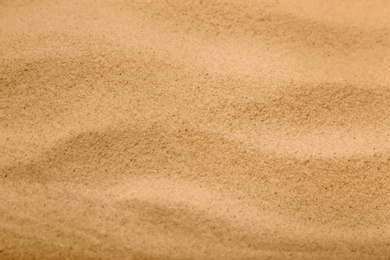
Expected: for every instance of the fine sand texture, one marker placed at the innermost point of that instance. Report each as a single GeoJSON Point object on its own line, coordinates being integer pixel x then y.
{"type": "Point", "coordinates": [204, 129]}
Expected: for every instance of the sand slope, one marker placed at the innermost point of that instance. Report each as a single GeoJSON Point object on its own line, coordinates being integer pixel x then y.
{"type": "Point", "coordinates": [194, 129]}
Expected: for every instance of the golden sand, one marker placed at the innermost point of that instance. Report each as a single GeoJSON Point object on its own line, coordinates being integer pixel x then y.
{"type": "Point", "coordinates": [194, 129]}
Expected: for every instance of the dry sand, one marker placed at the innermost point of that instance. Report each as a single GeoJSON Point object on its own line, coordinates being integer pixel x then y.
{"type": "Point", "coordinates": [194, 129]}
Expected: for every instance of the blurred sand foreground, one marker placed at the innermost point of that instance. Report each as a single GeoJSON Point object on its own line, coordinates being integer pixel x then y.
{"type": "Point", "coordinates": [194, 129]}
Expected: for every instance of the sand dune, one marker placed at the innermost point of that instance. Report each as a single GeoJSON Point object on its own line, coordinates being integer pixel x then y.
{"type": "Point", "coordinates": [194, 129]}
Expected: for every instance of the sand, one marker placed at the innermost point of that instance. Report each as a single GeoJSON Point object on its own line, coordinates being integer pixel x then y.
{"type": "Point", "coordinates": [200, 129]}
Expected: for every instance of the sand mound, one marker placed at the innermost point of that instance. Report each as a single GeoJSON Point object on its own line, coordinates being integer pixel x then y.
{"type": "Point", "coordinates": [202, 129]}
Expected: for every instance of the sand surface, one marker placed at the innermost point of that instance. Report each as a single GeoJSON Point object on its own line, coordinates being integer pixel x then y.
{"type": "Point", "coordinates": [208, 129]}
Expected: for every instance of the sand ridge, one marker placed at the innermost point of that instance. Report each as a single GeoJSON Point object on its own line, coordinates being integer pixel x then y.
{"type": "Point", "coordinates": [194, 129]}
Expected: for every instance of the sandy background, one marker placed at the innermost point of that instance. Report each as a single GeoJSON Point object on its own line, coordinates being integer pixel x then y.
{"type": "Point", "coordinates": [195, 129]}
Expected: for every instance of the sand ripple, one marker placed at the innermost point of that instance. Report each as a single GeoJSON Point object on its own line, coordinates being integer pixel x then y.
{"type": "Point", "coordinates": [194, 129]}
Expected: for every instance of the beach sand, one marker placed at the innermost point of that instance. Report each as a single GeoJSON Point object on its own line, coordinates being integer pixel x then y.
{"type": "Point", "coordinates": [200, 129]}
